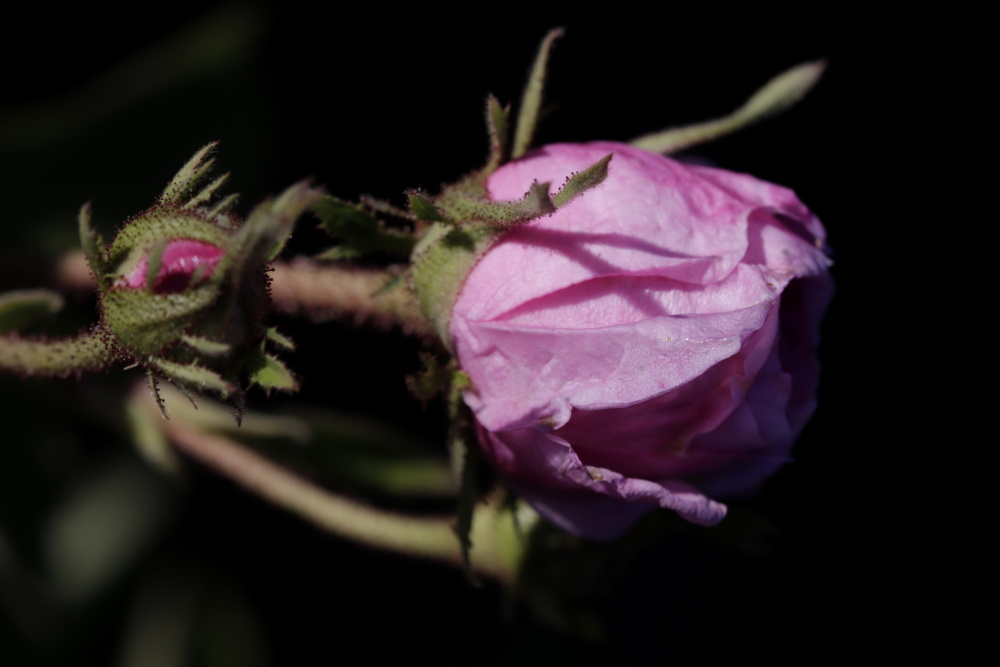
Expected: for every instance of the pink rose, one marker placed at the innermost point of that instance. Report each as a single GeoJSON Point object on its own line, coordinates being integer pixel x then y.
{"type": "Point", "coordinates": [652, 343]}
{"type": "Point", "coordinates": [181, 259]}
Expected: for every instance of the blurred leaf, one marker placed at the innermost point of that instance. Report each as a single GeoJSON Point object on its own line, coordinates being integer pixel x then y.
{"type": "Point", "coordinates": [101, 528]}
{"type": "Point", "coordinates": [22, 308]}
{"type": "Point", "coordinates": [148, 437]}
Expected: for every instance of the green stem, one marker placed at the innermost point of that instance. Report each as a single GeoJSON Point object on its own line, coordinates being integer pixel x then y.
{"type": "Point", "coordinates": [432, 538]}
{"type": "Point", "coordinates": [86, 352]}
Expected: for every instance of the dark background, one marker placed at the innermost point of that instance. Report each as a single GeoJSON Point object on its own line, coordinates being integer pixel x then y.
{"type": "Point", "coordinates": [382, 101]}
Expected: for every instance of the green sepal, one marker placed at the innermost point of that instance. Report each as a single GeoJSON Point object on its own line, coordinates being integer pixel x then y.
{"type": "Point", "coordinates": [445, 254]}
{"type": "Point", "coordinates": [423, 209]}
{"type": "Point", "coordinates": [775, 96]}
{"type": "Point", "coordinates": [581, 182]}
{"type": "Point", "coordinates": [266, 230]}
{"type": "Point", "coordinates": [21, 308]}
{"type": "Point", "coordinates": [531, 101]}
{"type": "Point", "coordinates": [441, 260]}
{"type": "Point", "coordinates": [535, 204]}
{"type": "Point", "coordinates": [93, 248]}
{"type": "Point", "coordinates": [206, 193]}
{"type": "Point", "coordinates": [268, 372]}
{"type": "Point", "coordinates": [216, 212]}
{"type": "Point", "coordinates": [279, 339]}
{"type": "Point", "coordinates": [361, 232]}
{"type": "Point", "coordinates": [185, 180]}
{"type": "Point", "coordinates": [498, 127]}
{"type": "Point", "coordinates": [205, 346]}
{"type": "Point", "coordinates": [193, 375]}
{"type": "Point", "coordinates": [148, 323]}
{"type": "Point", "coordinates": [154, 390]}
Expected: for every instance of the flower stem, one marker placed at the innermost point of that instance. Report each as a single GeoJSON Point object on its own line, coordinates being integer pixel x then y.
{"type": "Point", "coordinates": [86, 352]}
{"type": "Point", "coordinates": [432, 538]}
{"type": "Point", "coordinates": [321, 291]}
{"type": "Point", "coordinates": [326, 291]}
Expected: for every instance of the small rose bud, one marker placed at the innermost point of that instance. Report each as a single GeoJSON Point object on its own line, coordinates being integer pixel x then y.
{"type": "Point", "coordinates": [182, 260]}
{"type": "Point", "coordinates": [183, 285]}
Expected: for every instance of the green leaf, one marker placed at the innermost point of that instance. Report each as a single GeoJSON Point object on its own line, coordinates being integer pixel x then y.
{"type": "Point", "coordinates": [21, 308]}
{"type": "Point", "coordinates": [579, 183]}
{"type": "Point", "coordinates": [359, 231]}
{"type": "Point", "coordinates": [269, 373]}
{"type": "Point", "coordinates": [531, 101]}
{"type": "Point", "coordinates": [777, 95]}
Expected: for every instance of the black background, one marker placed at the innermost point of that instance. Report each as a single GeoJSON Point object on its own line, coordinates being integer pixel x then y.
{"type": "Point", "coordinates": [376, 101]}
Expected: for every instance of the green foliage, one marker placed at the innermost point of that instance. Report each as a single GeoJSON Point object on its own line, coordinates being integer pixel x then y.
{"type": "Point", "coordinates": [359, 232]}
{"type": "Point", "coordinates": [269, 373]}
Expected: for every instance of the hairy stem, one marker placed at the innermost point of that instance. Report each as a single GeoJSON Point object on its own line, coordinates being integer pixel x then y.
{"type": "Point", "coordinates": [320, 291]}
{"type": "Point", "coordinates": [86, 352]}
{"type": "Point", "coordinates": [325, 291]}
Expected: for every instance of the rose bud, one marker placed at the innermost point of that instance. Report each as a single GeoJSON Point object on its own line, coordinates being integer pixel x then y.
{"type": "Point", "coordinates": [651, 343]}
{"type": "Point", "coordinates": [183, 261]}
{"type": "Point", "coordinates": [184, 289]}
